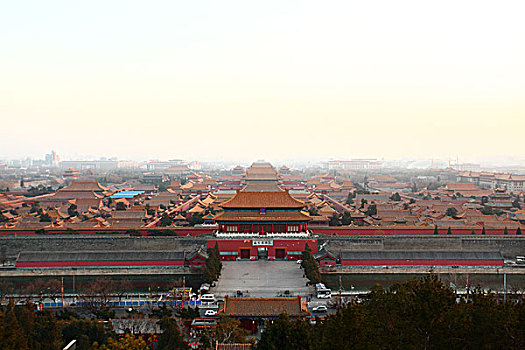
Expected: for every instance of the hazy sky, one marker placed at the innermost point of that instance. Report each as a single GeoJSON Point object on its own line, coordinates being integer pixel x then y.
{"type": "Point", "coordinates": [262, 79]}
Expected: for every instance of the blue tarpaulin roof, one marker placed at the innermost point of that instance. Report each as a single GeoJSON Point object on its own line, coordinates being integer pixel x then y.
{"type": "Point", "coordinates": [126, 194]}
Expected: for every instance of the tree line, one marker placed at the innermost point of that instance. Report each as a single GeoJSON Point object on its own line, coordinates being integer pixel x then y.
{"type": "Point", "coordinates": [21, 328]}
{"type": "Point", "coordinates": [213, 266]}
{"type": "Point", "coordinates": [310, 266]}
{"type": "Point", "coordinates": [416, 314]}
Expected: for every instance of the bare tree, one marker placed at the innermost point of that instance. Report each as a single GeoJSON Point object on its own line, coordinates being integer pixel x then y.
{"type": "Point", "coordinates": [97, 294]}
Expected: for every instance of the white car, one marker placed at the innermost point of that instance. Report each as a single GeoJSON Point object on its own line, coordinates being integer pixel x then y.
{"type": "Point", "coordinates": [210, 313]}
{"type": "Point", "coordinates": [208, 298]}
{"type": "Point", "coordinates": [320, 308]}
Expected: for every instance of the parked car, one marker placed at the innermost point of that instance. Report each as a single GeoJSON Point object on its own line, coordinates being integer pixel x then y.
{"type": "Point", "coordinates": [320, 308]}
{"type": "Point", "coordinates": [210, 313]}
{"type": "Point", "coordinates": [208, 298]}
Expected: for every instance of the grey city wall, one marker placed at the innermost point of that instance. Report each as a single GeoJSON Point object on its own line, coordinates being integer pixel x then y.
{"type": "Point", "coordinates": [508, 246]}
{"type": "Point", "coordinates": [12, 246]}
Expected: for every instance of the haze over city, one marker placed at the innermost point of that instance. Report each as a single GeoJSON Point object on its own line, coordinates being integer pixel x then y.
{"type": "Point", "coordinates": [274, 80]}
{"type": "Point", "coordinates": [262, 175]}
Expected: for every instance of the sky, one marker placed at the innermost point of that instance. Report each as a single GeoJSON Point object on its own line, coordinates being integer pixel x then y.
{"type": "Point", "coordinates": [262, 79]}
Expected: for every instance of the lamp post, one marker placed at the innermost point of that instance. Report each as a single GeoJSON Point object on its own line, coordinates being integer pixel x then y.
{"type": "Point", "coordinates": [455, 267]}
{"type": "Point", "coordinates": [504, 287]}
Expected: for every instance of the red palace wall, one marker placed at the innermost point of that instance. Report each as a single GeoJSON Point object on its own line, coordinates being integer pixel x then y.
{"type": "Point", "coordinates": [100, 263]}
{"type": "Point", "coordinates": [395, 231]}
{"type": "Point", "coordinates": [235, 246]}
{"type": "Point", "coordinates": [190, 231]}
{"type": "Point", "coordinates": [422, 262]}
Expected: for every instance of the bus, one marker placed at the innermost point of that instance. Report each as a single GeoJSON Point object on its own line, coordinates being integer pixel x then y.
{"type": "Point", "coordinates": [322, 292]}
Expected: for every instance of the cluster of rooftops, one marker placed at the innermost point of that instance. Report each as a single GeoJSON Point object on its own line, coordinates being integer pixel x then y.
{"type": "Point", "coordinates": [264, 196]}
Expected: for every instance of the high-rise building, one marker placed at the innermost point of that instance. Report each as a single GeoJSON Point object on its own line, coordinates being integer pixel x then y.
{"type": "Point", "coordinates": [52, 159]}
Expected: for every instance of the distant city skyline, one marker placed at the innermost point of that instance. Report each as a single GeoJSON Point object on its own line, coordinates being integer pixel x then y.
{"type": "Point", "coordinates": [242, 80]}
{"type": "Point", "coordinates": [456, 162]}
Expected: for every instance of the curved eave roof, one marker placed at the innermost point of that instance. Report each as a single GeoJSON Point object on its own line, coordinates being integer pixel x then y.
{"type": "Point", "coordinates": [275, 199]}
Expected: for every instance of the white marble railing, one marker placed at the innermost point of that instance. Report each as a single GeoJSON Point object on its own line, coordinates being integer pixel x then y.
{"type": "Point", "coordinates": [256, 234]}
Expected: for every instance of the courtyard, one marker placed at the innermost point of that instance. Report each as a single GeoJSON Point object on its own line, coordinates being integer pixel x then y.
{"type": "Point", "coordinates": [261, 278]}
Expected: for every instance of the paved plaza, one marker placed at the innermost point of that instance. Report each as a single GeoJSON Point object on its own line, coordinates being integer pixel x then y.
{"type": "Point", "coordinates": [261, 278]}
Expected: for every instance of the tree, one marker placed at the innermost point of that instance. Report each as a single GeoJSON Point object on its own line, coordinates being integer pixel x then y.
{"type": "Point", "coordinates": [313, 211]}
{"type": "Point", "coordinates": [350, 198]}
{"type": "Point", "coordinates": [395, 197]}
{"type": "Point", "coordinates": [487, 211]}
{"type": "Point", "coordinates": [452, 212]}
{"type": "Point", "coordinates": [334, 220]}
{"type": "Point", "coordinates": [449, 231]}
{"type": "Point", "coordinates": [72, 210]}
{"type": "Point", "coordinates": [86, 332]}
{"type": "Point", "coordinates": [3, 218]}
{"type": "Point", "coordinates": [436, 230]}
{"type": "Point", "coordinates": [166, 220]}
{"type": "Point", "coordinates": [196, 219]}
{"type": "Point", "coordinates": [22, 328]}
{"type": "Point", "coordinates": [46, 333]}
{"type": "Point", "coordinates": [45, 217]}
{"type": "Point", "coordinates": [352, 319]}
{"type": "Point", "coordinates": [346, 219]}
{"type": "Point", "coordinates": [149, 211]}
{"type": "Point", "coordinates": [310, 265]}
{"type": "Point", "coordinates": [213, 265]}
{"type": "Point", "coordinates": [230, 331]}
{"type": "Point", "coordinates": [170, 337]}
{"type": "Point", "coordinates": [483, 231]}
{"type": "Point", "coordinates": [505, 231]}
{"type": "Point", "coordinates": [120, 206]}
{"type": "Point", "coordinates": [415, 314]}
{"type": "Point", "coordinates": [371, 210]}
{"type": "Point", "coordinates": [284, 334]}
{"type": "Point", "coordinates": [417, 308]}
{"type": "Point", "coordinates": [97, 294]}
{"type": "Point", "coordinates": [129, 342]}
{"type": "Point", "coordinates": [518, 231]}
{"type": "Point", "coordinates": [34, 207]}
{"type": "Point", "coordinates": [12, 333]}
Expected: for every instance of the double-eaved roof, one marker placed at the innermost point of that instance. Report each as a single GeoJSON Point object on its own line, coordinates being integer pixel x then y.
{"type": "Point", "coordinates": [269, 216]}
{"type": "Point", "coordinates": [274, 199]}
